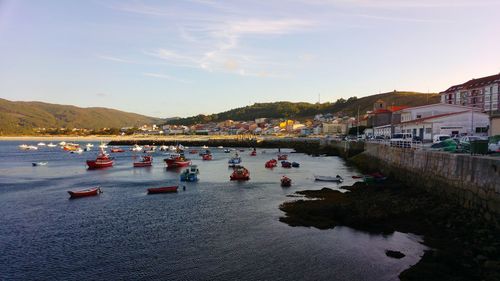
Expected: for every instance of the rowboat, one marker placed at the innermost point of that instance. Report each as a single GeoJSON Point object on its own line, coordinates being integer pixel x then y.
{"type": "Point", "coordinates": [87, 192]}
{"type": "Point", "coordinates": [286, 181]}
{"type": "Point", "coordinates": [116, 150]}
{"type": "Point", "coordinates": [39, 163]}
{"type": "Point", "coordinates": [295, 164]}
{"type": "Point", "coordinates": [165, 189]}
{"type": "Point", "coordinates": [206, 156]}
{"type": "Point", "coordinates": [51, 145]}
{"type": "Point", "coordinates": [282, 156]}
{"type": "Point", "coordinates": [41, 144]}
{"type": "Point", "coordinates": [337, 178]}
{"type": "Point", "coordinates": [253, 153]}
{"type": "Point", "coordinates": [271, 163]}
{"type": "Point", "coordinates": [286, 164]}
{"type": "Point", "coordinates": [146, 161]}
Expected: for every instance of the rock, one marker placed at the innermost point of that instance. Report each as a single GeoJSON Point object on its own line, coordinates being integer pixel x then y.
{"type": "Point", "coordinates": [394, 254]}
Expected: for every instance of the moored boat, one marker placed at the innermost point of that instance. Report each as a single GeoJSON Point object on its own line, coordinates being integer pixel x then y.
{"type": "Point", "coordinates": [286, 181]}
{"type": "Point", "coordinates": [41, 144]}
{"type": "Point", "coordinates": [235, 160]}
{"type": "Point", "coordinates": [253, 153]}
{"type": "Point", "coordinates": [165, 189]}
{"type": "Point", "coordinates": [177, 160]}
{"type": "Point", "coordinates": [240, 173]}
{"type": "Point", "coordinates": [204, 147]}
{"type": "Point", "coordinates": [51, 145]}
{"type": "Point", "coordinates": [286, 164]}
{"type": "Point", "coordinates": [227, 150]}
{"type": "Point", "coordinates": [136, 148]}
{"type": "Point", "coordinates": [271, 163]}
{"type": "Point", "coordinates": [295, 165]}
{"type": "Point", "coordinates": [190, 174]}
{"type": "Point", "coordinates": [84, 193]}
{"type": "Point", "coordinates": [146, 161]}
{"type": "Point", "coordinates": [207, 156]}
{"type": "Point", "coordinates": [116, 149]}
{"type": "Point", "coordinates": [337, 178]}
{"type": "Point", "coordinates": [102, 161]}
{"type": "Point", "coordinates": [39, 163]}
{"type": "Point", "coordinates": [282, 157]}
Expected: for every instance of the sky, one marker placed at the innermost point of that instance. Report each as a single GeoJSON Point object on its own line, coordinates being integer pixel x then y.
{"type": "Point", "coordinates": [182, 58]}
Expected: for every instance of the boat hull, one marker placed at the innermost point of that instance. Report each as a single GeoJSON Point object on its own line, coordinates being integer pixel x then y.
{"type": "Point", "coordinates": [177, 164]}
{"type": "Point", "coordinates": [165, 189]}
{"type": "Point", "coordinates": [142, 164]}
{"type": "Point", "coordinates": [93, 164]}
{"type": "Point", "coordinates": [84, 193]}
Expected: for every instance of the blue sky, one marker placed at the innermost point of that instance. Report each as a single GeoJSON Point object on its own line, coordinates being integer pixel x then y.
{"type": "Point", "coordinates": [181, 58]}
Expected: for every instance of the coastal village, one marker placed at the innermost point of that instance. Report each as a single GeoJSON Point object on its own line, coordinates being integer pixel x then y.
{"type": "Point", "coordinates": [467, 109]}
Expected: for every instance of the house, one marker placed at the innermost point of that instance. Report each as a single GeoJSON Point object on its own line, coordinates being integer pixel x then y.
{"type": "Point", "coordinates": [482, 93]}
{"type": "Point", "coordinates": [495, 124]}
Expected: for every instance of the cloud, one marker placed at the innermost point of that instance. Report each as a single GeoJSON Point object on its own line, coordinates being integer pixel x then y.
{"type": "Point", "coordinates": [165, 76]}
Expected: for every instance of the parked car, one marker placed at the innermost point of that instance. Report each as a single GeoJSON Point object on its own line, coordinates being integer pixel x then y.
{"type": "Point", "coordinates": [401, 140]}
{"type": "Point", "coordinates": [440, 138]}
{"type": "Point", "coordinates": [494, 144]}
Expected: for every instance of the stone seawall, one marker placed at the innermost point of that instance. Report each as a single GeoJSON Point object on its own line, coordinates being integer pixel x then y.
{"type": "Point", "coordinates": [472, 181]}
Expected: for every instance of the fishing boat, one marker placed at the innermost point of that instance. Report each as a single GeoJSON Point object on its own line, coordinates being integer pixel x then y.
{"type": "Point", "coordinates": [227, 151]}
{"type": "Point", "coordinates": [51, 145]}
{"type": "Point", "coordinates": [204, 147]}
{"type": "Point", "coordinates": [337, 178]}
{"type": "Point", "coordinates": [240, 173]}
{"type": "Point", "coordinates": [41, 144]}
{"type": "Point", "coordinates": [89, 145]}
{"type": "Point", "coordinates": [235, 160]}
{"type": "Point", "coordinates": [207, 156]}
{"type": "Point", "coordinates": [136, 148]}
{"type": "Point", "coordinates": [71, 147]}
{"type": "Point", "coordinates": [286, 181]}
{"type": "Point", "coordinates": [116, 150]}
{"type": "Point", "coordinates": [176, 161]}
{"type": "Point", "coordinates": [102, 161]}
{"type": "Point", "coordinates": [146, 161]}
{"type": "Point", "coordinates": [253, 153]}
{"type": "Point", "coordinates": [86, 192]}
{"type": "Point", "coordinates": [286, 164]}
{"type": "Point", "coordinates": [295, 164]}
{"type": "Point", "coordinates": [39, 163]}
{"type": "Point", "coordinates": [190, 174]}
{"type": "Point", "coordinates": [282, 157]}
{"type": "Point", "coordinates": [271, 163]}
{"type": "Point", "coordinates": [165, 189]}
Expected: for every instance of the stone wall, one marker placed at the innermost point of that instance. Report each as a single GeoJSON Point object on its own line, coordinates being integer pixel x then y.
{"type": "Point", "coordinates": [473, 181]}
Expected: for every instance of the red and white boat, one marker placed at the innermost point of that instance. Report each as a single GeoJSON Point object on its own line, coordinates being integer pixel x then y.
{"type": "Point", "coordinates": [206, 156]}
{"type": "Point", "coordinates": [102, 161]}
{"type": "Point", "coordinates": [271, 163]}
{"type": "Point", "coordinates": [165, 189]}
{"type": "Point", "coordinates": [253, 153]}
{"type": "Point", "coordinates": [176, 161]}
{"type": "Point", "coordinates": [146, 161]}
{"type": "Point", "coordinates": [117, 150]}
{"type": "Point", "coordinates": [282, 157]}
{"type": "Point", "coordinates": [87, 192]}
{"type": "Point", "coordinates": [286, 181]}
{"type": "Point", "coordinates": [240, 173]}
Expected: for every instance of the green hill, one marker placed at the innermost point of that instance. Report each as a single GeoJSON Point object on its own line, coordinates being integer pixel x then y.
{"type": "Point", "coordinates": [18, 117]}
{"type": "Point", "coordinates": [302, 110]}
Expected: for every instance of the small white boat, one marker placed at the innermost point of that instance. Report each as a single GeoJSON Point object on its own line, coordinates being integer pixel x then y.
{"type": "Point", "coordinates": [23, 146]}
{"type": "Point", "coordinates": [63, 143]}
{"type": "Point", "coordinates": [41, 144]}
{"type": "Point", "coordinates": [163, 148]}
{"type": "Point", "coordinates": [172, 148]}
{"type": "Point", "coordinates": [338, 179]}
{"type": "Point", "coordinates": [204, 147]}
{"type": "Point", "coordinates": [180, 147]}
{"type": "Point", "coordinates": [89, 145]}
{"type": "Point", "coordinates": [103, 145]}
{"type": "Point", "coordinates": [136, 148]}
{"type": "Point", "coordinates": [220, 147]}
{"type": "Point", "coordinates": [77, 151]}
{"type": "Point", "coordinates": [39, 163]}
{"type": "Point", "coordinates": [51, 145]}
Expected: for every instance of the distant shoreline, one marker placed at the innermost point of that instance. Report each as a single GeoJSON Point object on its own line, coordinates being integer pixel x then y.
{"type": "Point", "coordinates": [121, 138]}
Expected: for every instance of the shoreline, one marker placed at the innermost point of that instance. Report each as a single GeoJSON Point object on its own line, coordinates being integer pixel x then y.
{"type": "Point", "coordinates": [463, 246]}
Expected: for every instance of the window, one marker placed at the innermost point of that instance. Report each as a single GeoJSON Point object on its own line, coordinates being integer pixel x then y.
{"type": "Point", "coordinates": [419, 116]}
{"type": "Point", "coordinates": [481, 129]}
{"type": "Point", "coordinates": [428, 130]}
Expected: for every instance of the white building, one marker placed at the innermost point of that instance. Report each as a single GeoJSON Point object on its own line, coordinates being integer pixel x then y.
{"type": "Point", "coordinates": [454, 123]}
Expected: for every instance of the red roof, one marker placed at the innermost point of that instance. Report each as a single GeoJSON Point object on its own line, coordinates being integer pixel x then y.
{"type": "Point", "coordinates": [379, 111]}
{"type": "Point", "coordinates": [396, 107]}
{"type": "Point", "coordinates": [474, 83]}
{"type": "Point", "coordinates": [434, 116]}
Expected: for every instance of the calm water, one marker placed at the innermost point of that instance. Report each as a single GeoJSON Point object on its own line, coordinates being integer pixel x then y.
{"type": "Point", "coordinates": [214, 230]}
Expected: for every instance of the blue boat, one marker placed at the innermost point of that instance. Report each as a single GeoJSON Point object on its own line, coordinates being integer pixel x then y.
{"type": "Point", "coordinates": [235, 160]}
{"type": "Point", "coordinates": [295, 164]}
{"type": "Point", "coordinates": [190, 174]}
